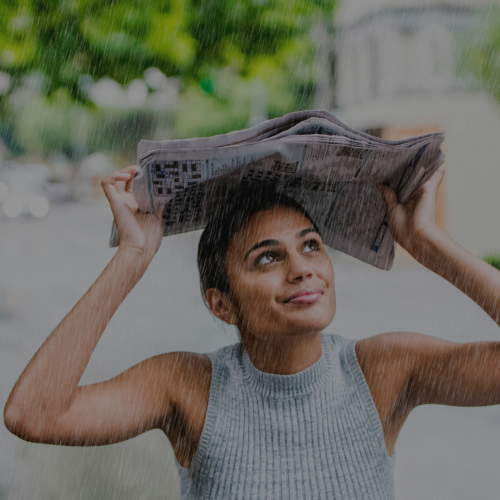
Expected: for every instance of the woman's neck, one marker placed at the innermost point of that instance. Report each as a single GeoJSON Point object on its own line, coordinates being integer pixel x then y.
{"type": "Point", "coordinates": [283, 356]}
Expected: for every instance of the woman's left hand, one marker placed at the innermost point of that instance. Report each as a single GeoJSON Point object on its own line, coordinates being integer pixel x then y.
{"type": "Point", "coordinates": [413, 223]}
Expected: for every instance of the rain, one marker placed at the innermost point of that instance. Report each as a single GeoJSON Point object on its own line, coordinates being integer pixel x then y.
{"type": "Point", "coordinates": [82, 82]}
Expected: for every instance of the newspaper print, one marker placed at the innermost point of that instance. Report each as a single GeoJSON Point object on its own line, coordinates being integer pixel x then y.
{"type": "Point", "coordinates": [312, 157]}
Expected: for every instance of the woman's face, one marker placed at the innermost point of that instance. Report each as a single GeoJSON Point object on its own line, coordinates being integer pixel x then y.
{"type": "Point", "coordinates": [281, 278]}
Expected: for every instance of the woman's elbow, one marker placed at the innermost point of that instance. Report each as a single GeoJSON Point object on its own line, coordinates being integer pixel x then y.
{"type": "Point", "coordinates": [16, 422]}
{"type": "Point", "coordinates": [12, 418]}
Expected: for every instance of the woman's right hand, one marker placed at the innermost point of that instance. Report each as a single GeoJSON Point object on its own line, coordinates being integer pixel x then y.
{"type": "Point", "coordinates": [138, 232]}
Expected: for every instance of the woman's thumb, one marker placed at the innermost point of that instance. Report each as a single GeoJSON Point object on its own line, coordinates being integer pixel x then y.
{"type": "Point", "coordinates": [390, 197]}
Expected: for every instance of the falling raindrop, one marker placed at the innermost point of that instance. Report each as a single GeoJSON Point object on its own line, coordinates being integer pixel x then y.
{"type": "Point", "coordinates": [82, 83]}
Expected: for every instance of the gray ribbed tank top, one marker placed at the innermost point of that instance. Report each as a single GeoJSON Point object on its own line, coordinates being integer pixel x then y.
{"type": "Point", "coordinates": [315, 434]}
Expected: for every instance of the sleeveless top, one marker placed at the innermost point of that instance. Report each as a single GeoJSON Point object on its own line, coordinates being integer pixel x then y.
{"type": "Point", "coordinates": [315, 434]}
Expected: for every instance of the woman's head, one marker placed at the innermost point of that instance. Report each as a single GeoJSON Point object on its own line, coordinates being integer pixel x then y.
{"type": "Point", "coordinates": [263, 266]}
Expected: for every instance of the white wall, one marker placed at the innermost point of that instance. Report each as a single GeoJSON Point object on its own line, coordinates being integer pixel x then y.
{"type": "Point", "coordinates": [351, 11]}
{"type": "Point", "coordinates": [396, 53]}
{"type": "Point", "coordinates": [471, 122]}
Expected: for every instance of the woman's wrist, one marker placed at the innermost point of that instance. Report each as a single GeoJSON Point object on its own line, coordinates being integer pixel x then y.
{"type": "Point", "coordinates": [132, 261]}
{"type": "Point", "coordinates": [441, 254]}
{"type": "Point", "coordinates": [424, 245]}
{"type": "Point", "coordinates": [431, 248]}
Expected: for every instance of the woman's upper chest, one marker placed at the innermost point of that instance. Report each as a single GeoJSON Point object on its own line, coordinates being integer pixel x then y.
{"type": "Point", "coordinates": [276, 441]}
{"type": "Point", "coordinates": [244, 417]}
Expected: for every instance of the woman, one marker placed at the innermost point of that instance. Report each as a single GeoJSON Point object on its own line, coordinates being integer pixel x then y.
{"type": "Point", "coordinates": [289, 412]}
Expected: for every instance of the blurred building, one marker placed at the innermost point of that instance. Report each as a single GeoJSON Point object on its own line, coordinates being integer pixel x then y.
{"type": "Point", "coordinates": [397, 76]}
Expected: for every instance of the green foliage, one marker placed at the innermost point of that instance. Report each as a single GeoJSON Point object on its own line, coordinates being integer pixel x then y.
{"type": "Point", "coordinates": [225, 107]}
{"type": "Point", "coordinates": [197, 40]}
{"type": "Point", "coordinates": [120, 39]}
{"type": "Point", "coordinates": [481, 55]}
{"type": "Point", "coordinates": [58, 123]}
{"type": "Point", "coordinates": [57, 131]}
{"type": "Point", "coordinates": [493, 260]}
{"type": "Point", "coordinates": [118, 131]}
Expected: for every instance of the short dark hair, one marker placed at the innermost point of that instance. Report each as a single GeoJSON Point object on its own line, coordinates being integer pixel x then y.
{"type": "Point", "coordinates": [234, 208]}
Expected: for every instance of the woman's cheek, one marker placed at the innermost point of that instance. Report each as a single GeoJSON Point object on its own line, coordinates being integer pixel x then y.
{"type": "Point", "coordinates": [264, 294]}
{"type": "Point", "coordinates": [260, 301]}
{"type": "Point", "coordinates": [253, 295]}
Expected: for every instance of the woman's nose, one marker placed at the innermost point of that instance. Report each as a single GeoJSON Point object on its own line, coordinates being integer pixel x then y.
{"type": "Point", "coordinates": [298, 268]}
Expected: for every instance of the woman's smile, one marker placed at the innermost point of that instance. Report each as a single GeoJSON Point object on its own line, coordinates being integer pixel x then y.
{"type": "Point", "coordinates": [305, 296]}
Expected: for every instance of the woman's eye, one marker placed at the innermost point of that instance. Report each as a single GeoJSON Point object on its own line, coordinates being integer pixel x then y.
{"type": "Point", "coordinates": [266, 258]}
{"type": "Point", "coordinates": [311, 246]}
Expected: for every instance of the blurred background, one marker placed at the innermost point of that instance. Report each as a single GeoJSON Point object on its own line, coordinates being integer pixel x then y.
{"type": "Point", "coordinates": [81, 82]}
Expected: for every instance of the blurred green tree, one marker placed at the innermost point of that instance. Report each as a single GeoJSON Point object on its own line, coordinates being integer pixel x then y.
{"type": "Point", "coordinates": [219, 49]}
{"type": "Point", "coordinates": [480, 55]}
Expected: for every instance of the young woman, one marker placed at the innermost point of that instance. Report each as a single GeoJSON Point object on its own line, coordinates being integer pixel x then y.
{"type": "Point", "coordinates": [288, 412]}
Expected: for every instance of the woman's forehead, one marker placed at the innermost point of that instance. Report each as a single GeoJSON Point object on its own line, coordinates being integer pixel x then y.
{"type": "Point", "coordinates": [275, 223]}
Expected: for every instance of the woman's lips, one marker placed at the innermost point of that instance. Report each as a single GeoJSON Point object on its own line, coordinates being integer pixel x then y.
{"type": "Point", "coordinates": [306, 296]}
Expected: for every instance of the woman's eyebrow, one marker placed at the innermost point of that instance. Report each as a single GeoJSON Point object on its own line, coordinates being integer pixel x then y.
{"type": "Point", "coordinates": [264, 243]}
{"type": "Point", "coordinates": [307, 231]}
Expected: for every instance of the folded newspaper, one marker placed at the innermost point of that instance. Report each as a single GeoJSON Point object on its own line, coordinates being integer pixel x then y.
{"type": "Point", "coordinates": [311, 156]}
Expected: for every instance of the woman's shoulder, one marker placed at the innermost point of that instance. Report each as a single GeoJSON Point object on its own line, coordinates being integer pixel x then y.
{"type": "Point", "coordinates": [183, 372]}
{"type": "Point", "coordinates": [192, 370]}
{"type": "Point", "coordinates": [226, 364]}
{"type": "Point", "coordinates": [192, 363]}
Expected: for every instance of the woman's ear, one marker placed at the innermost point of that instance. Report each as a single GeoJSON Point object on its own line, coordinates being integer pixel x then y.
{"type": "Point", "coordinates": [221, 306]}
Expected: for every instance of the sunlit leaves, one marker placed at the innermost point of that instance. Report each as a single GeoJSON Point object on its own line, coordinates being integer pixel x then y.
{"type": "Point", "coordinates": [17, 43]}
{"type": "Point", "coordinates": [481, 56]}
{"type": "Point", "coordinates": [226, 109]}
{"type": "Point", "coordinates": [168, 39]}
{"type": "Point", "coordinates": [121, 38]}
{"type": "Point", "coordinates": [117, 30]}
{"type": "Point", "coordinates": [61, 128]}
{"type": "Point", "coordinates": [230, 44]}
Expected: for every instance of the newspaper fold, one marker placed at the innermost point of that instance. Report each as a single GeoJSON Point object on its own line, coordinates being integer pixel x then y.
{"type": "Point", "coordinates": [311, 156]}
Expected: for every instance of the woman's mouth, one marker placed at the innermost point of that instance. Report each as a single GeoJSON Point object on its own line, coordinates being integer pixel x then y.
{"type": "Point", "coordinates": [306, 296]}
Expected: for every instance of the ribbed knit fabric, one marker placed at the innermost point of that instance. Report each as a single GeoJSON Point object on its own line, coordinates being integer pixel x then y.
{"type": "Point", "coordinates": [315, 434]}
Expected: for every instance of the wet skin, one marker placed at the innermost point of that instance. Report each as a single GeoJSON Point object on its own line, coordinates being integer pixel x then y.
{"type": "Point", "coordinates": [282, 292]}
{"type": "Point", "coordinates": [282, 297]}
{"type": "Point", "coordinates": [290, 259]}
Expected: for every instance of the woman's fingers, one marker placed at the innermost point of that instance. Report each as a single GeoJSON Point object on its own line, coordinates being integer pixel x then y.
{"type": "Point", "coordinates": [431, 186]}
{"type": "Point", "coordinates": [115, 177]}
{"type": "Point", "coordinates": [435, 181]}
{"type": "Point", "coordinates": [128, 184]}
{"type": "Point", "coordinates": [131, 169]}
{"type": "Point", "coordinates": [123, 174]}
{"type": "Point", "coordinates": [419, 214]}
{"type": "Point", "coordinates": [118, 182]}
{"type": "Point", "coordinates": [430, 189]}
{"type": "Point", "coordinates": [109, 188]}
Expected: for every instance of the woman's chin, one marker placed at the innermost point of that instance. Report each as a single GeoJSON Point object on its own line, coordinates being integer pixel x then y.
{"type": "Point", "coordinates": [304, 327]}
{"type": "Point", "coordinates": [314, 319]}
{"type": "Point", "coordinates": [299, 322]}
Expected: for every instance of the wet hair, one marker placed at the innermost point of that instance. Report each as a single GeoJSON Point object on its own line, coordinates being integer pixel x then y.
{"type": "Point", "coordinates": [231, 213]}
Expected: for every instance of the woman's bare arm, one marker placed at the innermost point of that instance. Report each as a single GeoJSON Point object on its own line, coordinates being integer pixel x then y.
{"type": "Point", "coordinates": [46, 404]}
{"type": "Point", "coordinates": [439, 371]}
{"type": "Point", "coordinates": [414, 227]}
{"type": "Point", "coordinates": [47, 393]}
